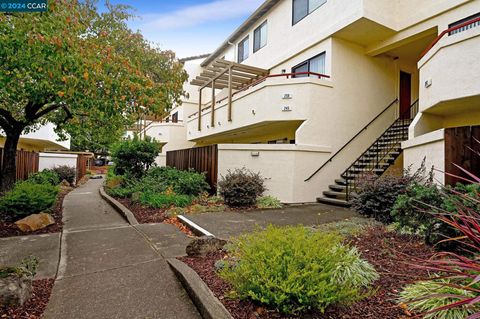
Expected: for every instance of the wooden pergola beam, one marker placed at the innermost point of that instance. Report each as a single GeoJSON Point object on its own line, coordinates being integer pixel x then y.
{"type": "Point", "coordinates": [212, 71]}
{"type": "Point", "coordinates": [224, 78]}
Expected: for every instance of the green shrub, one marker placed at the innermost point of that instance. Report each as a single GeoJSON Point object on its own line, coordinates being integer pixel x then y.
{"type": "Point", "coordinates": [442, 295]}
{"type": "Point", "coordinates": [378, 195]}
{"type": "Point", "coordinates": [46, 176]}
{"type": "Point", "coordinates": [66, 173]}
{"type": "Point", "coordinates": [182, 182]}
{"type": "Point", "coordinates": [266, 202]}
{"type": "Point", "coordinates": [164, 200]}
{"type": "Point", "coordinates": [134, 157]}
{"type": "Point", "coordinates": [293, 269]}
{"type": "Point", "coordinates": [412, 212]}
{"type": "Point", "coordinates": [27, 198]}
{"type": "Point", "coordinates": [241, 187]}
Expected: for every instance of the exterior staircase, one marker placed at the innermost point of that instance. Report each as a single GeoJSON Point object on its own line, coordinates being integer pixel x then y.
{"type": "Point", "coordinates": [375, 160]}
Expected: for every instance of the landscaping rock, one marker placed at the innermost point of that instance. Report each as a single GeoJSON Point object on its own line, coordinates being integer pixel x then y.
{"type": "Point", "coordinates": [204, 245]}
{"type": "Point", "coordinates": [35, 222]}
{"type": "Point", "coordinates": [15, 290]}
{"type": "Point", "coordinates": [65, 183]}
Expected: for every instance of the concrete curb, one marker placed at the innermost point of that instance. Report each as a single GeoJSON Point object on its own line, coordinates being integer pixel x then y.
{"type": "Point", "coordinates": [124, 211]}
{"type": "Point", "coordinates": [203, 298]}
{"type": "Point", "coordinates": [196, 229]}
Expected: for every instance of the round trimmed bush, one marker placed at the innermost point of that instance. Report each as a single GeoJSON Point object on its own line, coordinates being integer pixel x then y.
{"type": "Point", "coordinates": [241, 187]}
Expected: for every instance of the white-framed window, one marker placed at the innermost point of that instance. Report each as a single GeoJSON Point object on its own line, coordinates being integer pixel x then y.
{"type": "Point", "coordinates": [314, 65]}
{"type": "Point", "coordinates": [243, 49]}
{"type": "Point", "coordinates": [260, 37]}
{"type": "Point", "coordinates": [302, 8]}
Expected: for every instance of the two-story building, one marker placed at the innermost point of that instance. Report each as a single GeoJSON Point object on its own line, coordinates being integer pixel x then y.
{"type": "Point", "coordinates": [315, 93]}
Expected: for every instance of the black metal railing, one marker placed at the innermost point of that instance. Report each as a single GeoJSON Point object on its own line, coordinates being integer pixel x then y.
{"type": "Point", "coordinates": [352, 139]}
{"type": "Point", "coordinates": [381, 154]}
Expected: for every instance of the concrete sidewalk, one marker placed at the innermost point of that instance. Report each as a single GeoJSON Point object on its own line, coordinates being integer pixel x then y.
{"type": "Point", "coordinates": [109, 269]}
{"type": "Point", "coordinates": [227, 224]}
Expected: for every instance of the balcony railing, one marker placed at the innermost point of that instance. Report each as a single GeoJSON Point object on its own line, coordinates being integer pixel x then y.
{"type": "Point", "coordinates": [453, 30]}
{"type": "Point", "coordinates": [261, 80]}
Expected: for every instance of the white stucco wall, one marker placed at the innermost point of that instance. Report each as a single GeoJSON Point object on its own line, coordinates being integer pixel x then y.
{"type": "Point", "coordinates": [51, 160]}
{"type": "Point", "coordinates": [431, 147]}
{"type": "Point", "coordinates": [284, 167]}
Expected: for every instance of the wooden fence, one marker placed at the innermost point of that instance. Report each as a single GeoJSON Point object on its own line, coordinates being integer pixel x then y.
{"type": "Point", "coordinates": [27, 163]}
{"type": "Point", "coordinates": [201, 159]}
{"type": "Point", "coordinates": [83, 163]}
{"type": "Point", "coordinates": [461, 148]}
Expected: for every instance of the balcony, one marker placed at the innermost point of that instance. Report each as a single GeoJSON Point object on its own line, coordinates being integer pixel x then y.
{"type": "Point", "coordinates": [165, 132]}
{"type": "Point", "coordinates": [450, 72]}
{"type": "Point", "coordinates": [272, 103]}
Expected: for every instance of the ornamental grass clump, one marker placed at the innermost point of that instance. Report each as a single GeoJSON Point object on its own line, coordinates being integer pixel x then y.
{"type": "Point", "coordinates": [295, 269]}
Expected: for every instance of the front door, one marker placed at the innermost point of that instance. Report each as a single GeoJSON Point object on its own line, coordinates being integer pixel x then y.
{"type": "Point", "coordinates": [405, 94]}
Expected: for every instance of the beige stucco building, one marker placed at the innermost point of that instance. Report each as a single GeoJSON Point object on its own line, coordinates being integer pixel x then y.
{"type": "Point", "coordinates": [314, 93]}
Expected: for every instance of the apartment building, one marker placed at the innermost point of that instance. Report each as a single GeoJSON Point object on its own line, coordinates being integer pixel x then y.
{"type": "Point", "coordinates": [315, 93]}
{"type": "Point", "coordinates": [41, 140]}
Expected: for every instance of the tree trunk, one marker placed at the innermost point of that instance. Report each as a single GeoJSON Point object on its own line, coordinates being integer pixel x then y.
{"type": "Point", "coordinates": [9, 167]}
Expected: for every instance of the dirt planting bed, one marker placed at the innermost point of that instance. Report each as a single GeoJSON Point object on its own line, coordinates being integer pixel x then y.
{"type": "Point", "coordinates": [387, 252]}
{"type": "Point", "coordinates": [33, 308]}
{"type": "Point", "coordinates": [9, 229]}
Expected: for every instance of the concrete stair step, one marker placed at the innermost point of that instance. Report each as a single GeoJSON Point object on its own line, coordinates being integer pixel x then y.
{"type": "Point", "coordinates": [333, 201]}
{"type": "Point", "coordinates": [341, 181]}
{"type": "Point", "coordinates": [338, 188]}
{"type": "Point", "coordinates": [337, 195]}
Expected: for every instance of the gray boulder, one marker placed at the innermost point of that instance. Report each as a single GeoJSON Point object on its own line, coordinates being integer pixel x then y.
{"type": "Point", "coordinates": [15, 290]}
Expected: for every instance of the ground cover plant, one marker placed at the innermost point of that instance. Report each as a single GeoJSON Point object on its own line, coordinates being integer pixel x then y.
{"type": "Point", "coordinates": [294, 269]}
{"type": "Point", "coordinates": [382, 249]}
{"type": "Point", "coordinates": [453, 291]}
{"type": "Point", "coordinates": [39, 193]}
{"type": "Point", "coordinates": [27, 198]}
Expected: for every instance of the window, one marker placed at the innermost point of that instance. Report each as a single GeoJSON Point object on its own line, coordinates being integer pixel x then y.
{"type": "Point", "coordinates": [315, 65]}
{"type": "Point", "coordinates": [175, 117]}
{"type": "Point", "coordinates": [243, 50]}
{"type": "Point", "coordinates": [467, 27]}
{"type": "Point", "coordinates": [302, 8]}
{"type": "Point", "coordinates": [260, 37]}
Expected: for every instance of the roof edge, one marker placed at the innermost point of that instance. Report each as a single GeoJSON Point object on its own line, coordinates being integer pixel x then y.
{"type": "Point", "coordinates": [251, 20]}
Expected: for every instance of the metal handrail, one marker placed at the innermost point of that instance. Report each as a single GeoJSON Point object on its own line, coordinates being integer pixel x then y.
{"type": "Point", "coordinates": [352, 139]}
{"type": "Point", "coordinates": [404, 117]}
{"type": "Point", "coordinates": [449, 30]}
{"type": "Point", "coordinates": [262, 79]}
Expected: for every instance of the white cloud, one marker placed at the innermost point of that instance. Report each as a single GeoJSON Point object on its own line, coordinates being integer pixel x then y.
{"type": "Point", "coordinates": [199, 14]}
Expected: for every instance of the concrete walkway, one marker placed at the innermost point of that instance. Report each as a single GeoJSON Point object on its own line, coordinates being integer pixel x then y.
{"type": "Point", "coordinates": [109, 269]}
{"type": "Point", "coordinates": [227, 224]}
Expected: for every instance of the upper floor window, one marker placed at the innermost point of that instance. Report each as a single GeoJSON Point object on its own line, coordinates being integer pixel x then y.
{"type": "Point", "coordinates": [175, 117]}
{"type": "Point", "coordinates": [463, 21]}
{"type": "Point", "coordinates": [302, 8]}
{"type": "Point", "coordinates": [260, 37]}
{"type": "Point", "coordinates": [243, 50]}
{"type": "Point", "coordinates": [314, 65]}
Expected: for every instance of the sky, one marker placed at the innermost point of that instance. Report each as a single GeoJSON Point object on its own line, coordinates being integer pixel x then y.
{"type": "Point", "coordinates": [189, 27]}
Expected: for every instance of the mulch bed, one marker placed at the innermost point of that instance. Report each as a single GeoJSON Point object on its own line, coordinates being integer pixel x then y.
{"type": "Point", "coordinates": [9, 229]}
{"type": "Point", "coordinates": [387, 252]}
{"type": "Point", "coordinates": [33, 308]}
{"type": "Point", "coordinates": [143, 214]}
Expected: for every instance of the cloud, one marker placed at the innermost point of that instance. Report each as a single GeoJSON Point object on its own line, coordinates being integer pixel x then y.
{"type": "Point", "coordinates": [199, 14]}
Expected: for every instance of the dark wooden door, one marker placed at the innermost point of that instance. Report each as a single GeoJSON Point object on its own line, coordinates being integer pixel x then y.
{"type": "Point", "coordinates": [462, 148]}
{"type": "Point", "coordinates": [405, 94]}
